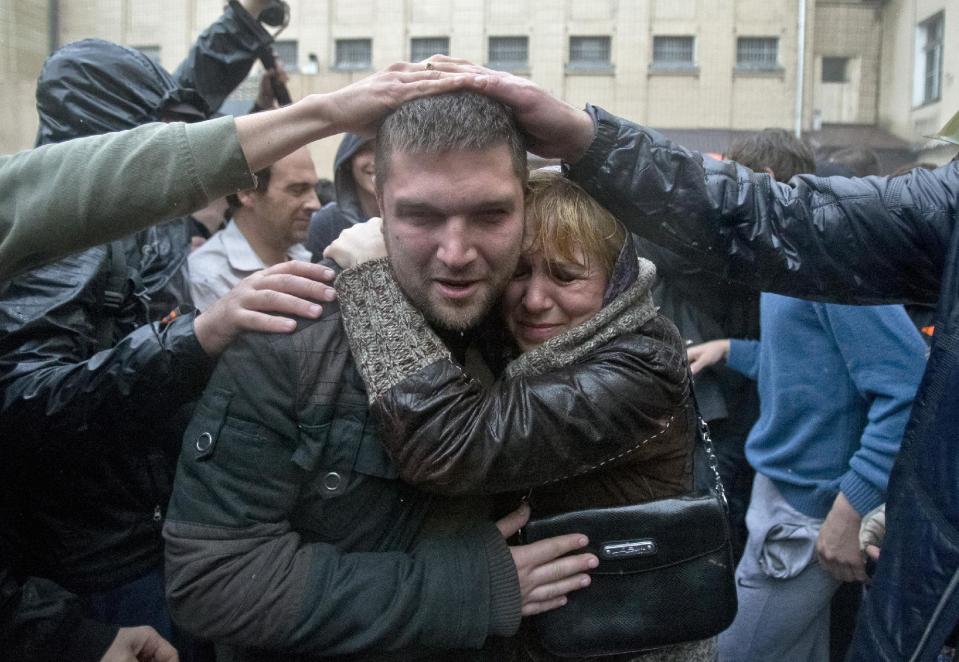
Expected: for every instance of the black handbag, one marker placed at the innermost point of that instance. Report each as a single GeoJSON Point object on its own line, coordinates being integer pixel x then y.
{"type": "Point", "coordinates": [665, 573]}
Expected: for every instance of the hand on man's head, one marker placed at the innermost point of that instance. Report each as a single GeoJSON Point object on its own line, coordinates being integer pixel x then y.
{"type": "Point", "coordinates": [359, 108]}
{"type": "Point", "coordinates": [553, 127]}
{"type": "Point", "coordinates": [265, 301]}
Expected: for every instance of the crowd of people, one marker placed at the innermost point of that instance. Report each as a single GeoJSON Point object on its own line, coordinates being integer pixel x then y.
{"type": "Point", "coordinates": [212, 450]}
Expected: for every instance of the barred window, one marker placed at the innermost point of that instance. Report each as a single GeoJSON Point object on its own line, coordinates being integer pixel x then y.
{"type": "Point", "coordinates": [589, 51]}
{"type": "Point", "coordinates": [354, 54]}
{"type": "Point", "coordinates": [286, 50]}
{"type": "Point", "coordinates": [834, 69]}
{"type": "Point", "coordinates": [673, 52]}
{"type": "Point", "coordinates": [423, 47]}
{"type": "Point", "coordinates": [508, 52]}
{"type": "Point", "coordinates": [757, 53]}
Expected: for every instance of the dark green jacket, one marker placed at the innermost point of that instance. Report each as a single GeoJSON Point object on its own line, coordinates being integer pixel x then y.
{"type": "Point", "coordinates": [288, 529]}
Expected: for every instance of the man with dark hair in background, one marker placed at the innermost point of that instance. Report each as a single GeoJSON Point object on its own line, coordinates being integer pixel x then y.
{"type": "Point", "coordinates": [267, 227]}
{"type": "Point", "coordinates": [289, 529]}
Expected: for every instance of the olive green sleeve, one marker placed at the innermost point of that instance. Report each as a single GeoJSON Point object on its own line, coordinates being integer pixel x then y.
{"type": "Point", "coordinates": [58, 199]}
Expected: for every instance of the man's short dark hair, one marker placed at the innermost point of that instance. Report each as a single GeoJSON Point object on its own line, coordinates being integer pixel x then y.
{"type": "Point", "coordinates": [233, 200]}
{"type": "Point", "coordinates": [776, 149]}
{"type": "Point", "coordinates": [861, 160]}
{"type": "Point", "coordinates": [459, 120]}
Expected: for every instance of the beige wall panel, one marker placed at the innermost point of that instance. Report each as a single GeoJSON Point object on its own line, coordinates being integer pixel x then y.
{"type": "Point", "coordinates": [354, 13]}
{"type": "Point", "coordinates": [761, 17]}
{"type": "Point", "coordinates": [761, 102]}
{"type": "Point", "coordinates": [673, 9]}
{"type": "Point", "coordinates": [591, 10]}
{"type": "Point", "coordinates": [631, 52]}
{"type": "Point", "coordinates": [716, 57]}
{"type": "Point", "coordinates": [430, 11]}
{"type": "Point", "coordinates": [674, 102]}
{"type": "Point", "coordinates": [23, 48]}
{"type": "Point", "coordinates": [549, 45]}
{"type": "Point", "coordinates": [593, 89]}
{"type": "Point", "coordinates": [468, 37]}
{"type": "Point", "coordinates": [509, 14]}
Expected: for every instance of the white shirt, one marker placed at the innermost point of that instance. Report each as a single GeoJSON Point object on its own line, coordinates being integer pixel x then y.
{"type": "Point", "coordinates": [223, 261]}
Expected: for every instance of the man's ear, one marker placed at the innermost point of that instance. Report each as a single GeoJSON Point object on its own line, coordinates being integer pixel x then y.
{"type": "Point", "coordinates": [769, 171]}
{"type": "Point", "coordinates": [246, 197]}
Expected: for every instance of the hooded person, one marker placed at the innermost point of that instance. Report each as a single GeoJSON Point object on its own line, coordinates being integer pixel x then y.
{"type": "Point", "coordinates": [355, 196]}
{"type": "Point", "coordinates": [98, 353]}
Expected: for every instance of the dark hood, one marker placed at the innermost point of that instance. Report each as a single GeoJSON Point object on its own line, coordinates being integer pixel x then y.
{"type": "Point", "coordinates": [346, 197]}
{"type": "Point", "coordinates": [93, 86]}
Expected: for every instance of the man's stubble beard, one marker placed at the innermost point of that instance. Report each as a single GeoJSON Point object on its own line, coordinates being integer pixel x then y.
{"type": "Point", "coordinates": [447, 315]}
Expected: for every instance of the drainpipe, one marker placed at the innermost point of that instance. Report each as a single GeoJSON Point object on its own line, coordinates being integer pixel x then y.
{"type": "Point", "coordinates": [801, 67]}
{"type": "Point", "coordinates": [53, 25]}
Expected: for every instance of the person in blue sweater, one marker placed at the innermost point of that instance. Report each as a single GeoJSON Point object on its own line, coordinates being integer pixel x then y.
{"type": "Point", "coordinates": [836, 385]}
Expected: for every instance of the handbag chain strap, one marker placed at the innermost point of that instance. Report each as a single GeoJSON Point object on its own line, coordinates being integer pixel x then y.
{"type": "Point", "coordinates": [706, 439]}
{"type": "Point", "coordinates": [707, 442]}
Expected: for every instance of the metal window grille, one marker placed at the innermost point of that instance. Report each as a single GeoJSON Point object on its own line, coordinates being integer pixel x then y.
{"type": "Point", "coordinates": [152, 52]}
{"type": "Point", "coordinates": [757, 52]}
{"type": "Point", "coordinates": [354, 54]}
{"type": "Point", "coordinates": [508, 52]}
{"type": "Point", "coordinates": [834, 69]}
{"type": "Point", "coordinates": [423, 47]}
{"type": "Point", "coordinates": [286, 50]}
{"type": "Point", "coordinates": [590, 51]}
{"type": "Point", "coordinates": [931, 32]}
{"type": "Point", "coordinates": [673, 51]}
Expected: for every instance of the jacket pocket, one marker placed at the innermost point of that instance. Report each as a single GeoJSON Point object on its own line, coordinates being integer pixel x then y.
{"type": "Point", "coordinates": [352, 482]}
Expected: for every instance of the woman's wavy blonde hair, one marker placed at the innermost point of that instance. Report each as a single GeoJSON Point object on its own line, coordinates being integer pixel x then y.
{"type": "Point", "coordinates": [561, 217]}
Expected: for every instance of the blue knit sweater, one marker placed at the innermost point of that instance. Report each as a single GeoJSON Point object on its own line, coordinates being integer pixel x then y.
{"type": "Point", "coordinates": [836, 384]}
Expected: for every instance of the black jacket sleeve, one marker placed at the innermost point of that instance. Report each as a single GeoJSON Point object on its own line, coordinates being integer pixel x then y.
{"type": "Point", "coordinates": [58, 389]}
{"type": "Point", "coordinates": [41, 622]}
{"type": "Point", "coordinates": [871, 240]}
{"type": "Point", "coordinates": [448, 431]}
{"type": "Point", "coordinates": [223, 55]}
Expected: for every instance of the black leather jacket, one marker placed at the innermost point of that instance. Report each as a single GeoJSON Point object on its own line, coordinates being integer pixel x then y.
{"type": "Point", "coordinates": [91, 382]}
{"type": "Point", "coordinates": [598, 416]}
{"type": "Point", "coordinates": [870, 240]}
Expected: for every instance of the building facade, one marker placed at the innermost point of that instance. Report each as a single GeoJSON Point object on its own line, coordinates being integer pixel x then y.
{"type": "Point", "coordinates": [672, 64]}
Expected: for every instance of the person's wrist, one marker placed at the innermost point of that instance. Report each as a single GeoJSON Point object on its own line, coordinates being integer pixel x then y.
{"type": "Point", "coordinates": [206, 334]}
{"type": "Point", "coordinates": [581, 137]}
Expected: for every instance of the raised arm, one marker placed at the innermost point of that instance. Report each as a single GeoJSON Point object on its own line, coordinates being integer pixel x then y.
{"type": "Point", "coordinates": [224, 53]}
{"type": "Point", "coordinates": [58, 199]}
{"type": "Point", "coordinates": [869, 240]}
{"type": "Point", "coordinates": [454, 435]}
